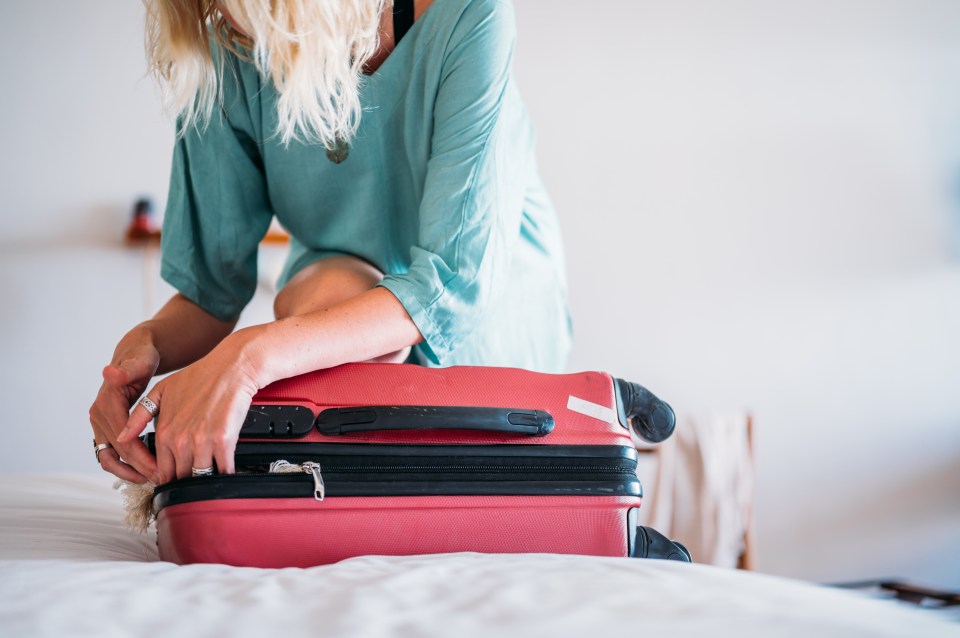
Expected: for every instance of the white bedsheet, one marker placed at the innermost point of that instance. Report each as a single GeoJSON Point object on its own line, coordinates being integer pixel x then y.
{"type": "Point", "coordinates": [68, 568]}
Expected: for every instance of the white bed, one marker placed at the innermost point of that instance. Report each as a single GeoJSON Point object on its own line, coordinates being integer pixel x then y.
{"type": "Point", "coordinates": [68, 568]}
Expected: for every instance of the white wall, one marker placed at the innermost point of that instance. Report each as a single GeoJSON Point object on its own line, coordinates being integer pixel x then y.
{"type": "Point", "coordinates": [760, 205]}
{"type": "Point", "coordinates": [759, 199]}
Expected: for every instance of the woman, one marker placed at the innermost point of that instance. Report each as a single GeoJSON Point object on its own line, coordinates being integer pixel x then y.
{"type": "Point", "coordinates": [394, 147]}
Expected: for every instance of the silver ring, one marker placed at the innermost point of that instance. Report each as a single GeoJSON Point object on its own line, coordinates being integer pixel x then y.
{"type": "Point", "coordinates": [201, 471]}
{"type": "Point", "coordinates": [100, 447]}
{"type": "Point", "coordinates": [150, 406]}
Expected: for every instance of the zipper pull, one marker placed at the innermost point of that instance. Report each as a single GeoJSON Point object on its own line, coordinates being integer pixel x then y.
{"type": "Point", "coordinates": [319, 491]}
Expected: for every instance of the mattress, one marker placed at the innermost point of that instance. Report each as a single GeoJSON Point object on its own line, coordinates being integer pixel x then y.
{"type": "Point", "coordinates": [69, 568]}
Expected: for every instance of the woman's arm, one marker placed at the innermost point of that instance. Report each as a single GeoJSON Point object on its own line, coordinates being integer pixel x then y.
{"type": "Point", "coordinates": [202, 407]}
{"type": "Point", "coordinates": [182, 332]}
{"type": "Point", "coordinates": [361, 328]}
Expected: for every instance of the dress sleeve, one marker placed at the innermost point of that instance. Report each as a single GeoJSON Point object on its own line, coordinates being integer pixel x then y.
{"type": "Point", "coordinates": [473, 193]}
{"type": "Point", "coordinates": [217, 208]}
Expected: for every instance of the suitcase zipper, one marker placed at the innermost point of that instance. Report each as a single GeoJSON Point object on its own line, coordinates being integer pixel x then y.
{"type": "Point", "coordinates": [254, 462]}
{"type": "Point", "coordinates": [261, 484]}
{"type": "Point", "coordinates": [282, 466]}
{"type": "Point", "coordinates": [261, 475]}
{"type": "Point", "coordinates": [440, 469]}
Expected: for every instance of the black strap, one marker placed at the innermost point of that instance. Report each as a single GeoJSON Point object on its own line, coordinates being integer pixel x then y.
{"type": "Point", "coordinates": [402, 19]}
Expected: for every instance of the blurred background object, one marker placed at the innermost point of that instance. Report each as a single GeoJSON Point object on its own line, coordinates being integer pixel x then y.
{"type": "Point", "coordinates": [142, 227]}
{"type": "Point", "coordinates": [701, 489]}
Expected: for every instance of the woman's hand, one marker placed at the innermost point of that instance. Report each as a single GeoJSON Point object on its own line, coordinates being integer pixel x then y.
{"type": "Point", "coordinates": [201, 411]}
{"type": "Point", "coordinates": [202, 407]}
{"type": "Point", "coordinates": [180, 333]}
{"type": "Point", "coordinates": [124, 381]}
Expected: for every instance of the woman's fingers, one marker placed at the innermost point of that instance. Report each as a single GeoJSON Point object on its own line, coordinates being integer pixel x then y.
{"type": "Point", "coordinates": [223, 454]}
{"type": "Point", "coordinates": [107, 416]}
{"type": "Point", "coordinates": [193, 449]}
{"type": "Point", "coordinates": [166, 462]}
{"type": "Point", "coordinates": [136, 370]}
{"type": "Point", "coordinates": [119, 375]}
{"type": "Point", "coordinates": [184, 463]}
{"type": "Point", "coordinates": [181, 452]}
{"type": "Point", "coordinates": [122, 383]}
{"type": "Point", "coordinates": [130, 447]}
{"type": "Point", "coordinates": [143, 412]}
{"type": "Point", "coordinates": [202, 459]}
{"type": "Point", "coordinates": [110, 461]}
{"type": "Point", "coordinates": [137, 454]}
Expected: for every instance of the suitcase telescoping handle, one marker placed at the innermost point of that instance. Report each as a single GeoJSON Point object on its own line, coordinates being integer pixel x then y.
{"type": "Point", "coordinates": [336, 421]}
{"type": "Point", "coordinates": [652, 419]}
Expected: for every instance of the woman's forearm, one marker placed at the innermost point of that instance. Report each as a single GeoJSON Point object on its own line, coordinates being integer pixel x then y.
{"type": "Point", "coordinates": [181, 331]}
{"type": "Point", "coordinates": [364, 327]}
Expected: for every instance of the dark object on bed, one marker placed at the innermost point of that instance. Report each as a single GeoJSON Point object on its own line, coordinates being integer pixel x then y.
{"type": "Point", "coordinates": [401, 459]}
{"type": "Point", "coordinates": [923, 596]}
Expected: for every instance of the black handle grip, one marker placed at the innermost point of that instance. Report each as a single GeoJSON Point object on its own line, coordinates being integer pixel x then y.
{"type": "Point", "coordinates": [336, 421]}
{"type": "Point", "coordinates": [277, 421]}
{"type": "Point", "coordinates": [652, 419]}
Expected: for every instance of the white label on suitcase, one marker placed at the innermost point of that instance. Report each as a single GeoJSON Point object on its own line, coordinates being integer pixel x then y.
{"type": "Point", "coordinates": [594, 410]}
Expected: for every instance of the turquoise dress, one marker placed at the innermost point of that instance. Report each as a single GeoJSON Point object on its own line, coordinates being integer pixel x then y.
{"type": "Point", "coordinates": [439, 190]}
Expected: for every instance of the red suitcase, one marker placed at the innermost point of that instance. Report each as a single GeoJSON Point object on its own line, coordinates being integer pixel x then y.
{"type": "Point", "coordinates": [399, 459]}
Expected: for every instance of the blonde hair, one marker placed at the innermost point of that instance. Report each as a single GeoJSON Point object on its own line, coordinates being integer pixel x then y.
{"type": "Point", "coordinates": [313, 51]}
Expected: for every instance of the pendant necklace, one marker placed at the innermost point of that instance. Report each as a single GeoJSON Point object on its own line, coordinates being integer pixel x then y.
{"type": "Point", "coordinates": [338, 154]}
